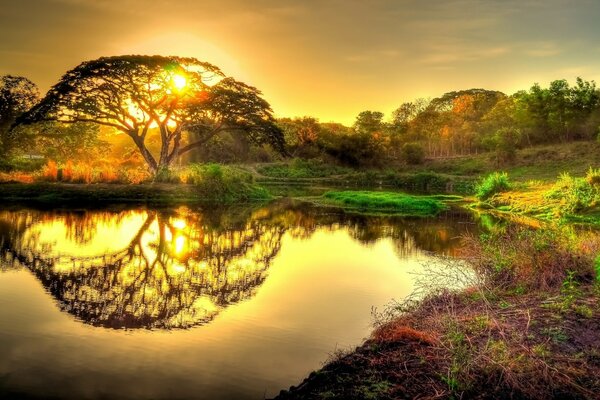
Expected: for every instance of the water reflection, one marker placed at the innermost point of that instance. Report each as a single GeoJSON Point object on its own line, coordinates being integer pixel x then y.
{"type": "Point", "coordinates": [165, 269]}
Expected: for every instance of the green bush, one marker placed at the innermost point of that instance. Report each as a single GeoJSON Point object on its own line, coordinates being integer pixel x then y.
{"type": "Point", "coordinates": [593, 177]}
{"type": "Point", "coordinates": [165, 175]}
{"type": "Point", "coordinates": [224, 184]}
{"type": "Point", "coordinates": [490, 185]}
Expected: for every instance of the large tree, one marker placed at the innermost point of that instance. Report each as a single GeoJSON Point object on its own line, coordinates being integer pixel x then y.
{"type": "Point", "coordinates": [17, 95]}
{"type": "Point", "coordinates": [188, 101]}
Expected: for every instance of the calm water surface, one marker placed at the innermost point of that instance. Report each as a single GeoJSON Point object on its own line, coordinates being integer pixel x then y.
{"type": "Point", "coordinates": [186, 303]}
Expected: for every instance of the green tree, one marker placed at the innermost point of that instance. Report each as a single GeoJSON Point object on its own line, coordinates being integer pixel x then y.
{"type": "Point", "coordinates": [368, 122]}
{"type": "Point", "coordinates": [17, 95]}
{"type": "Point", "coordinates": [186, 100]}
{"type": "Point", "coordinates": [64, 142]}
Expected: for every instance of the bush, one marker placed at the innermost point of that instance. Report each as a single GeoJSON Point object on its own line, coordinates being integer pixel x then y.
{"type": "Point", "coordinates": [225, 184]}
{"type": "Point", "coordinates": [490, 185]}
{"type": "Point", "coordinates": [413, 153]}
{"type": "Point", "coordinates": [593, 177]}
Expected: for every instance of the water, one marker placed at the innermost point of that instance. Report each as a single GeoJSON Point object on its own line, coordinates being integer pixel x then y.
{"type": "Point", "coordinates": [196, 304]}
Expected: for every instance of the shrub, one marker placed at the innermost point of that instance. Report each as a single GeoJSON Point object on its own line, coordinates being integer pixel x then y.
{"type": "Point", "coordinates": [593, 177]}
{"type": "Point", "coordinates": [490, 185]}
{"type": "Point", "coordinates": [226, 184]}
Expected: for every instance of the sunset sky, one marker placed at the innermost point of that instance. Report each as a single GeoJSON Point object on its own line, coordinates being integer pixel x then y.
{"type": "Point", "coordinates": [329, 59]}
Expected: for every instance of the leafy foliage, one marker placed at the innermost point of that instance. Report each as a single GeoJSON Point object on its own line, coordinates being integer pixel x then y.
{"type": "Point", "coordinates": [187, 100]}
{"type": "Point", "coordinates": [494, 183]}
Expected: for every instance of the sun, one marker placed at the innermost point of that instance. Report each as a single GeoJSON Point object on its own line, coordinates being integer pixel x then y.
{"type": "Point", "coordinates": [179, 81]}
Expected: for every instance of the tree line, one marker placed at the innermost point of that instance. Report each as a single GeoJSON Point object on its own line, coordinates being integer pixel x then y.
{"type": "Point", "coordinates": [173, 109]}
{"type": "Point", "coordinates": [458, 123]}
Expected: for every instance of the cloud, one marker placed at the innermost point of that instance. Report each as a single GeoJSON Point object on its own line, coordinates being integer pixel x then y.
{"type": "Point", "coordinates": [543, 49]}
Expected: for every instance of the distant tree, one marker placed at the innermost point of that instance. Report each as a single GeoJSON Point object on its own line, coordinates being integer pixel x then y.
{"type": "Point", "coordinates": [560, 112]}
{"type": "Point", "coordinates": [186, 100]}
{"type": "Point", "coordinates": [413, 153]}
{"type": "Point", "coordinates": [368, 122]}
{"type": "Point", "coordinates": [406, 113]}
{"type": "Point", "coordinates": [506, 141]}
{"type": "Point", "coordinates": [17, 95]}
{"type": "Point", "coordinates": [300, 133]}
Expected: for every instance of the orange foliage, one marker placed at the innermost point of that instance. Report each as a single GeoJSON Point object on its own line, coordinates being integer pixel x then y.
{"type": "Point", "coordinates": [397, 333]}
{"type": "Point", "coordinates": [67, 172]}
{"type": "Point", "coordinates": [16, 176]}
{"type": "Point", "coordinates": [83, 173]}
{"type": "Point", "coordinates": [136, 176]}
{"type": "Point", "coordinates": [445, 132]}
{"type": "Point", "coordinates": [108, 175]}
{"type": "Point", "coordinates": [50, 171]}
{"type": "Point", "coordinates": [462, 104]}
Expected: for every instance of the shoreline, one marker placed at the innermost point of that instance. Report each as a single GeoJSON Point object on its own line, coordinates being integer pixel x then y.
{"type": "Point", "coordinates": [517, 346]}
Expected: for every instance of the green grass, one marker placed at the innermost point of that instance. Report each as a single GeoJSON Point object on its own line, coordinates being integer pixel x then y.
{"type": "Point", "coordinates": [496, 182]}
{"type": "Point", "coordinates": [397, 203]}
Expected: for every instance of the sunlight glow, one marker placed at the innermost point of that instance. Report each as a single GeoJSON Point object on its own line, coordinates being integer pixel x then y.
{"type": "Point", "coordinates": [179, 81]}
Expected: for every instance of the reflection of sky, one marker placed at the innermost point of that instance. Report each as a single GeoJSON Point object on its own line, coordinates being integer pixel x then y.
{"type": "Point", "coordinates": [318, 296]}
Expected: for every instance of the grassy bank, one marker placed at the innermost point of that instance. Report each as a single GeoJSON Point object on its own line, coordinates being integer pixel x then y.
{"type": "Point", "coordinates": [388, 202]}
{"type": "Point", "coordinates": [157, 193]}
{"type": "Point", "coordinates": [568, 199]}
{"type": "Point", "coordinates": [527, 326]}
{"type": "Point", "coordinates": [459, 174]}
{"type": "Point", "coordinates": [210, 183]}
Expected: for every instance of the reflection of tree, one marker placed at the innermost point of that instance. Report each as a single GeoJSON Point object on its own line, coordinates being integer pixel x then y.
{"type": "Point", "coordinates": [173, 273]}
{"type": "Point", "coordinates": [180, 268]}
{"type": "Point", "coordinates": [440, 235]}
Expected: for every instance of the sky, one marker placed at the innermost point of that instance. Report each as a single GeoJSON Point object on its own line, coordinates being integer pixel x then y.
{"type": "Point", "coordinates": [330, 59]}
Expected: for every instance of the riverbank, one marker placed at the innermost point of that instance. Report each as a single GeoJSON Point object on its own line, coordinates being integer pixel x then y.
{"type": "Point", "coordinates": [568, 199]}
{"type": "Point", "coordinates": [527, 326]}
{"type": "Point", "coordinates": [463, 346]}
{"type": "Point", "coordinates": [104, 193]}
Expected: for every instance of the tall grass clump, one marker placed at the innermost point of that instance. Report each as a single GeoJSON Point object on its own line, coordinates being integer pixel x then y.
{"type": "Point", "coordinates": [576, 194]}
{"type": "Point", "coordinates": [224, 184]}
{"type": "Point", "coordinates": [397, 203]}
{"type": "Point", "coordinates": [520, 257]}
{"type": "Point", "coordinates": [490, 185]}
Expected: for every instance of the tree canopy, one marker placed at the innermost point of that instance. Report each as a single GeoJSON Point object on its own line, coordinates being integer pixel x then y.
{"type": "Point", "coordinates": [17, 95]}
{"type": "Point", "coordinates": [186, 100]}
